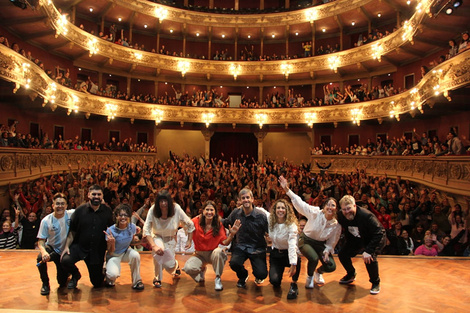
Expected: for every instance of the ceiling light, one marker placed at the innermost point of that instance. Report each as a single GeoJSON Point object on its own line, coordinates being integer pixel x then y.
{"type": "Point", "coordinates": [166, 83]}
{"type": "Point", "coordinates": [223, 36]}
{"type": "Point", "coordinates": [249, 36]}
{"type": "Point", "coordinates": [449, 10]}
{"type": "Point", "coordinates": [353, 23]}
{"type": "Point", "coordinates": [171, 31]}
{"type": "Point", "coordinates": [296, 33]}
{"type": "Point", "coordinates": [109, 75]}
{"type": "Point", "coordinates": [457, 3]}
{"type": "Point", "coordinates": [197, 34]}
{"type": "Point", "coordinates": [91, 9]}
{"type": "Point", "coordinates": [408, 2]}
{"type": "Point", "coordinates": [273, 35]}
{"type": "Point", "coordinates": [145, 26]}
{"type": "Point", "coordinates": [379, 15]}
{"type": "Point", "coordinates": [119, 19]}
{"type": "Point", "coordinates": [323, 29]}
{"type": "Point", "coordinates": [221, 86]}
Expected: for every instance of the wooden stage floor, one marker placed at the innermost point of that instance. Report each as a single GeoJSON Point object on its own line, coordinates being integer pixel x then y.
{"type": "Point", "coordinates": [409, 284]}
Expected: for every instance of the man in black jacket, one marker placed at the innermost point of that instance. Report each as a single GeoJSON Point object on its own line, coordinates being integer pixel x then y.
{"type": "Point", "coordinates": [364, 234]}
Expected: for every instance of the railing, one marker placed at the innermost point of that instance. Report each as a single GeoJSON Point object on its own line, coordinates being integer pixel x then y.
{"type": "Point", "coordinates": [450, 174]}
{"type": "Point", "coordinates": [19, 165]}
{"type": "Point", "coordinates": [450, 75]}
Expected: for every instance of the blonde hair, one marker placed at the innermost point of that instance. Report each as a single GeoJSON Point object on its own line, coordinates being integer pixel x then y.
{"type": "Point", "coordinates": [347, 199]}
{"type": "Point", "coordinates": [290, 216]}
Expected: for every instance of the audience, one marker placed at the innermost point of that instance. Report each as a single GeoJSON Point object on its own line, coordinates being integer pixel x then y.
{"type": "Point", "coordinates": [192, 180]}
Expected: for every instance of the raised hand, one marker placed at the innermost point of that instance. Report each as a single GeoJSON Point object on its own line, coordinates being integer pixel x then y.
{"type": "Point", "coordinates": [284, 184]}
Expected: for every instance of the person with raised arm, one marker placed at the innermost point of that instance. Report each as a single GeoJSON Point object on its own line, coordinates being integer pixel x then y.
{"type": "Point", "coordinates": [319, 237]}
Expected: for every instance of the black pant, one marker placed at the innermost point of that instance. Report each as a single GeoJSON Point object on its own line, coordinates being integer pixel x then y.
{"type": "Point", "coordinates": [313, 251]}
{"type": "Point", "coordinates": [278, 261]}
{"type": "Point", "coordinates": [349, 250]}
{"type": "Point", "coordinates": [258, 264]}
{"type": "Point", "coordinates": [62, 275]}
{"type": "Point", "coordinates": [95, 270]}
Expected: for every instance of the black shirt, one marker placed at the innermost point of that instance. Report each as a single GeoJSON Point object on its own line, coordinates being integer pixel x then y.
{"type": "Point", "coordinates": [88, 226]}
{"type": "Point", "coordinates": [250, 236]}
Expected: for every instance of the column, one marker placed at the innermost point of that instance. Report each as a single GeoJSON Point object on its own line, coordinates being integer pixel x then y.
{"type": "Point", "coordinates": [128, 87]}
{"type": "Point", "coordinates": [262, 42]}
{"type": "Point", "coordinates": [156, 132]}
{"type": "Point", "coordinates": [156, 88]}
{"type": "Point", "coordinates": [158, 37]}
{"type": "Point", "coordinates": [314, 87]}
{"type": "Point", "coordinates": [260, 136]}
{"type": "Point", "coordinates": [235, 58]}
{"type": "Point", "coordinates": [207, 142]}
{"type": "Point", "coordinates": [261, 98]}
{"type": "Point", "coordinates": [287, 39]}
{"type": "Point", "coordinates": [184, 39]}
{"type": "Point", "coordinates": [209, 57]}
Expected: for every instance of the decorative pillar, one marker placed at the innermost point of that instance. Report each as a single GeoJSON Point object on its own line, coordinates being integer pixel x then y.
{"type": "Point", "coordinates": [260, 136]}
{"type": "Point", "coordinates": [207, 144]}
{"type": "Point", "coordinates": [128, 87]}
{"type": "Point", "coordinates": [184, 39]}
{"type": "Point", "coordinates": [236, 44]}
{"type": "Point", "coordinates": [156, 88]}
{"type": "Point", "coordinates": [209, 57]}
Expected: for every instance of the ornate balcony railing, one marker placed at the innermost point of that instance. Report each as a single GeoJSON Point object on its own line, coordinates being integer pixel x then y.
{"type": "Point", "coordinates": [331, 61]}
{"type": "Point", "coordinates": [449, 75]}
{"type": "Point", "coordinates": [19, 165]}
{"type": "Point", "coordinates": [450, 174]}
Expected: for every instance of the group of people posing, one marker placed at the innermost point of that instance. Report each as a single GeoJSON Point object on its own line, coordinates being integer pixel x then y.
{"type": "Point", "coordinates": [93, 233]}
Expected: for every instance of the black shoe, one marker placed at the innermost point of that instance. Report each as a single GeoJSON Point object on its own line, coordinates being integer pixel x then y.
{"type": "Point", "coordinates": [74, 281]}
{"type": "Point", "coordinates": [349, 278]}
{"type": "Point", "coordinates": [242, 282]}
{"type": "Point", "coordinates": [293, 291]}
{"type": "Point", "coordinates": [45, 290]}
{"type": "Point", "coordinates": [375, 289]}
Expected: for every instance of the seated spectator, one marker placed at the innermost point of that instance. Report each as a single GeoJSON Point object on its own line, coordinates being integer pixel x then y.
{"type": "Point", "coordinates": [428, 248]}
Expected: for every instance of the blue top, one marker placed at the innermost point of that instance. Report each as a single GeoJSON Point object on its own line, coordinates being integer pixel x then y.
{"type": "Point", "coordinates": [123, 237]}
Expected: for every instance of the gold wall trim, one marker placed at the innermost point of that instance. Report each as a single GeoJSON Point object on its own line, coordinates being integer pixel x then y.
{"type": "Point", "coordinates": [243, 20]}
{"type": "Point", "coordinates": [452, 74]}
{"type": "Point", "coordinates": [19, 165]}
{"type": "Point", "coordinates": [449, 174]}
{"type": "Point", "coordinates": [348, 57]}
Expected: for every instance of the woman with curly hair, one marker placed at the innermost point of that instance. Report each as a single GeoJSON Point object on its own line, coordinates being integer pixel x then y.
{"type": "Point", "coordinates": [209, 233]}
{"type": "Point", "coordinates": [319, 237]}
{"type": "Point", "coordinates": [283, 232]}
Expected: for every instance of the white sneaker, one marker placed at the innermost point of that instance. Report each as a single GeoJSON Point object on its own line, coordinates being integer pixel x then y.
{"type": "Point", "coordinates": [218, 284]}
{"type": "Point", "coordinates": [309, 282]}
{"type": "Point", "coordinates": [318, 278]}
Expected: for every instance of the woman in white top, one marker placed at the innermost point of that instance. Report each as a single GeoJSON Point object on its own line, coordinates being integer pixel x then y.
{"type": "Point", "coordinates": [160, 228]}
{"type": "Point", "coordinates": [319, 237]}
{"type": "Point", "coordinates": [283, 232]}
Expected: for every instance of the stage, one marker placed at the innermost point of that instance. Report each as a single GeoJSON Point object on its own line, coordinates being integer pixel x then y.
{"type": "Point", "coordinates": [409, 284]}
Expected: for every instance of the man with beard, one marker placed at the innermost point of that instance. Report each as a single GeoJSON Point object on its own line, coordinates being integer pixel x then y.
{"type": "Point", "coordinates": [249, 243]}
{"type": "Point", "coordinates": [85, 240]}
{"type": "Point", "coordinates": [364, 234]}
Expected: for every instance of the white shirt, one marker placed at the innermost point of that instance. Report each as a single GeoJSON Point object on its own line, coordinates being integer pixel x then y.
{"type": "Point", "coordinates": [317, 227]}
{"type": "Point", "coordinates": [285, 237]}
{"type": "Point", "coordinates": [159, 227]}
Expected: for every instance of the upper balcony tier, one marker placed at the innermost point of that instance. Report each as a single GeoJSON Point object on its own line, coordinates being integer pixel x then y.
{"type": "Point", "coordinates": [186, 31]}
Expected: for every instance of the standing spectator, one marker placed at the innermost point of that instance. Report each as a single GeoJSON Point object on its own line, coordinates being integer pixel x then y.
{"type": "Point", "coordinates": [9, 234]}
{"type": "Point", "coordinates": [51, 241]}
{"type": "Point", "coordinates": [249, 242]}
{"type": "Point", "coordinates": [85, 240]}
{"type": "Point", "coordinates": [365, 234]}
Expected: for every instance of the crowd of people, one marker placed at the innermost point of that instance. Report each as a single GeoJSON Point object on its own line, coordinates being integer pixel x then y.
{"type": "Point", "coordinates": [11, 137]}
{"type": "Point", "coordinates": [213, 98]}
{"type": "Point", "coordinates": [207, 196]}
{"type": "Point", "coordinates": [417, 145]}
